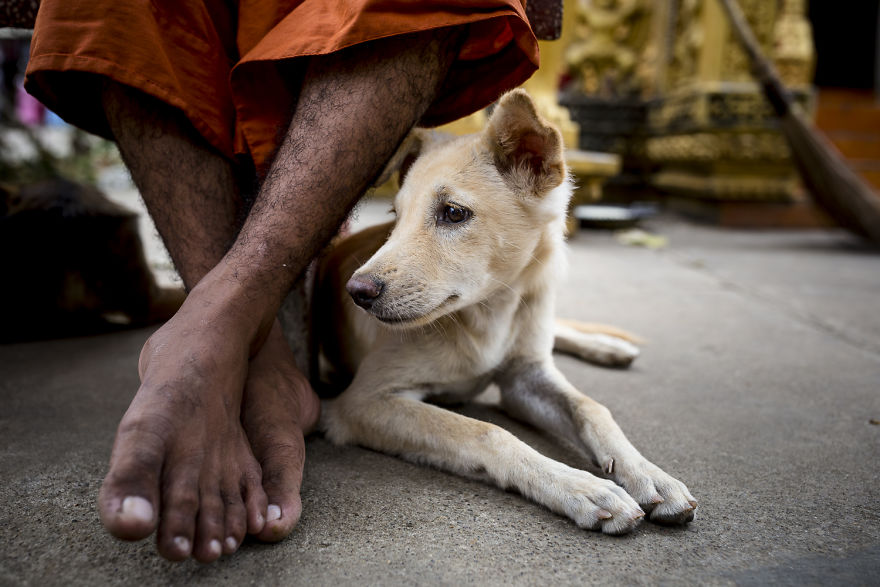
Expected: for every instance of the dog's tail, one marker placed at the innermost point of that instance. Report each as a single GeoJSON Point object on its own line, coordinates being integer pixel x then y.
{"type": "Point", "coordinates": [596, 343]}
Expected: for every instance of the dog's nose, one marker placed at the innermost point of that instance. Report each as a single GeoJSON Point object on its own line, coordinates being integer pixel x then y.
{"type": "Point", "coordinates": [364, 290]}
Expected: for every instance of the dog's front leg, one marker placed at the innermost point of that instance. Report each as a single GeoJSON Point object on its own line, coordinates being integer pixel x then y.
{"type": "Point", "coordinates": [401, 424]}
{"type": "Point", "coordinates": [539, 394]}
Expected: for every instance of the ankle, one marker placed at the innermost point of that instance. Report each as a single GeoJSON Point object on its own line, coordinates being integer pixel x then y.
{"type": "Point", "coordinates": [243, 311]}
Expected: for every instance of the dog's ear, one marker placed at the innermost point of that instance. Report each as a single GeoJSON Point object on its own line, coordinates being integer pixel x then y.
{"type": "Point", "coordinates": [527, 150]}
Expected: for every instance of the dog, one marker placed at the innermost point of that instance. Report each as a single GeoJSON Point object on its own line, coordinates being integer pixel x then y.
{"type": "Point", "coordinates": [458, 293]}
{"type": "Point", "coordinates": [77, 264]}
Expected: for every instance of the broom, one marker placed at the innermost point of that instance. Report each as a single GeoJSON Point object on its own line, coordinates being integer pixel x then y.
{"type": "Point", "coordinates": [834, 186]}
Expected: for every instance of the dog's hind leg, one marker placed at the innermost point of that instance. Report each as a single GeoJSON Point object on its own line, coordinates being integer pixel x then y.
{"type": "Point", "coordinates": [400, 423]}
{"type": "Point", "coordinates": [540, 395]}
{"type": "Point", "coordinates": [602, 345]}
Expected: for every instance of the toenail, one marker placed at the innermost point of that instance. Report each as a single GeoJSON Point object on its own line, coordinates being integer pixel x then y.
{"type": "Point", "coordinates": [273, 512]}
{"type": "Point", "coordinates": [214, 547]}
{"type": "Point", "coordinates": [138, 508]}
{"type": "Point", "coordinates": [182, 544]}
{"type": "Point", "coordinates": [231, 543]}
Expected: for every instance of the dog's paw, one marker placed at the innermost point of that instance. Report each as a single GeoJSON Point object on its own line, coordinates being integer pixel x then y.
{"type": "Point", "coordinates": [594, 503]}
{"type": "Point", "coordinates": [665, 498]}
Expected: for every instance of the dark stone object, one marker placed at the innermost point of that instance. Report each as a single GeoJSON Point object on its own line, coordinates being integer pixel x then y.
{"type": "Point", "coordinates": [606, 125]}
{"type": "Point", "coordinates": [72, 263]}
{"type": "Point", "coordinates": [545, 16]}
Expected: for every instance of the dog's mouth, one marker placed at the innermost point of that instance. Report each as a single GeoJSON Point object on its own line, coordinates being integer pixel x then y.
{"type": "Point", "coordinates": [405, 320]}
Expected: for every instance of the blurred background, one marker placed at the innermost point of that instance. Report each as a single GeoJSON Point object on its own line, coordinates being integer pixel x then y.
{"type": "Point", "coordinates": [657, 103]}
{"type": "Point", "coordinates": [691, 226]}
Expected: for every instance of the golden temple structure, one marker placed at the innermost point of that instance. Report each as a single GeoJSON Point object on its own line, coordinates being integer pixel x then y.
{"type": "Point", "coordinates": [666, 85]}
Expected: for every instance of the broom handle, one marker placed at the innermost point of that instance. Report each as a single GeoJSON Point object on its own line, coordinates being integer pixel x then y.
{"type": "Point", "coordinates": [833, 184]}
{"type": "Point", "coordinates": [762, 68]}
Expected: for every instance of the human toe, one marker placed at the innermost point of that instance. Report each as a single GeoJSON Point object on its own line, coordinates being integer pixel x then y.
{"type": "Point", "coordinates": [282, 477]}
{"type": "Point", "coordinates": [130, 491]}
{"type": "Point", "coordinates": [130, 517]}
{"type": "Point", "coordinates": [210, 528]}
{"type": "Point", "coordinates": [177, 525]}
{"type": "Point", "coordinates": [236, 522]}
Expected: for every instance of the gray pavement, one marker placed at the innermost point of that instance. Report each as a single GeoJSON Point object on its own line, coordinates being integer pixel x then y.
{"type": "Point", "coordinates": [759, 388]}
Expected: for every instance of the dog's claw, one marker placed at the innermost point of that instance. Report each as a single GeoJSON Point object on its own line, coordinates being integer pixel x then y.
{"type": "Point", "coordinates": [652, 503]}
{"type": "Point", "coordinates": [609, 467]}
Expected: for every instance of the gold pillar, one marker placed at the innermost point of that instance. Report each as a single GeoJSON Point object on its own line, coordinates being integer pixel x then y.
{"type": "Point", "coordinates": [711, 133]}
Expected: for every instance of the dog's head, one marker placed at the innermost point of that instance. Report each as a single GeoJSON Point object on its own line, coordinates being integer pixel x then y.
{"type": "Point", "coordinates": [472, 214]}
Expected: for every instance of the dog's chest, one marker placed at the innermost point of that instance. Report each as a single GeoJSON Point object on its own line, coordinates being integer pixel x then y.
{"type": "Point", "coordinates": [462, 361]}
{"type": "Point", "coordinates": [456, 391]}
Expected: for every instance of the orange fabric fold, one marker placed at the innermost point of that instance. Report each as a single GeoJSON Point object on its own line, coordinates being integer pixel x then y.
{"type": "Point", "coordinates": [232, 67]}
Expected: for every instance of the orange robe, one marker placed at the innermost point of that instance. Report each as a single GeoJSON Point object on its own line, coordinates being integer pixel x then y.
{"type": "Point", "coordinates": [233, 68]}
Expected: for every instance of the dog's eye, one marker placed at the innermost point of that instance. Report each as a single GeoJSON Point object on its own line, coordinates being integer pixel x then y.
{"type": "Point", "coordinates": [453, 214]}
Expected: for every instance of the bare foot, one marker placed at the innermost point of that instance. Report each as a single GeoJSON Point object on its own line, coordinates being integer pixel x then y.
{"type": "Point", "coordinates": [278, 409]}
{"type": "Point", "coordinates": [181, 463]}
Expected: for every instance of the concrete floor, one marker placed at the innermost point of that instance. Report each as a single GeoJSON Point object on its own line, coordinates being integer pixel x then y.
{"type": "Point", "coordinates": [760, 389]}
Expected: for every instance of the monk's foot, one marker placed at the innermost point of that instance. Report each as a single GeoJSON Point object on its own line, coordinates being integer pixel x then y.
{"type": "Point", "coordinates": [181, 463]}
{"type": "Point", "coordinates": [278, 409]}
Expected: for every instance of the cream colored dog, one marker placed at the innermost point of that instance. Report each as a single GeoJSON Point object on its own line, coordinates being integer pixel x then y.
{"type": "Point", "coordinates": [460, 295]}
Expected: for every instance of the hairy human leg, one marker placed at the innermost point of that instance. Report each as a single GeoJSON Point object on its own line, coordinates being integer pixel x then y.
{"type": "Point", "coordinates": [194, 368]}
{"type": "Point", "coordinates": [199, 484]}
{"type": "Point", "coordinates": [191, 193]}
